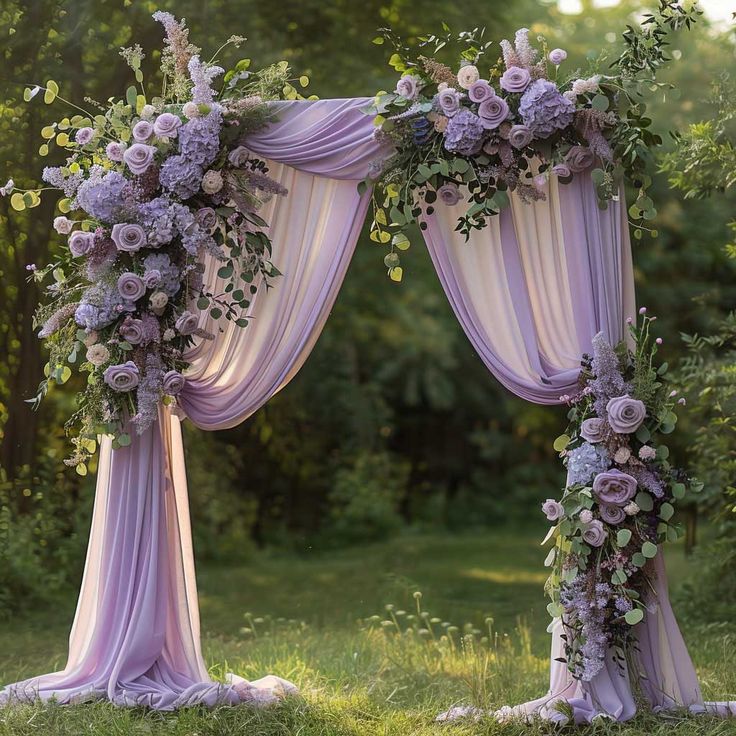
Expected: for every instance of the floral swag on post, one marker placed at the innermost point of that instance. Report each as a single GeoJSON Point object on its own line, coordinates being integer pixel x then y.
{"type": "Point", "coordinates": [619, 500]}
{"type": "Point", "coordinates": [149, 188]}
{"type": "Point", "coordinates": [505, 125]}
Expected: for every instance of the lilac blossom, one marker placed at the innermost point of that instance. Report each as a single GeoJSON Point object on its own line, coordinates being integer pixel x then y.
{"type": "Point", "coordinates": [608, 381]}
{"type": "Point", "coordinates": [202, 76]}
{"type": "Point", "coordinates": [149, 393]}
{"type": "Point", "coordinates": [54, 176]}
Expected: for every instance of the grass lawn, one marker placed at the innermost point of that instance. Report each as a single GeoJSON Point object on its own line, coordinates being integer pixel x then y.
{"type": "Point", "coordinates": [307, 619]}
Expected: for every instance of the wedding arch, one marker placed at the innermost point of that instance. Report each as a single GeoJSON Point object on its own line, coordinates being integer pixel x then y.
{"type": "Point", "coordinates": [544, 282]}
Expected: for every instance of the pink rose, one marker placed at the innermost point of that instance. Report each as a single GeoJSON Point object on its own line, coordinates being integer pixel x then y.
{"type": "Point", "coordinates": [553, 509]}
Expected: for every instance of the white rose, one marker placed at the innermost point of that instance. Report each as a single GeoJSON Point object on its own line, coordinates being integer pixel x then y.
{"type": "Point", "coordinates": [148, 111]}
{"type": "Point", "coordinates": [586, 516]}
{"type": "Point", "coordinates": [467, 76]}
{"type": "Point", "coordinates": [442, 86]}
{"type": "Point", "coordinates": [212, 182]}
{"type": "Point", "coordinates": [63, 225]}
{"type": "Point", "coordinates": [98, 354]}
{"type": "Point", "coordinates": [647, 452]}
{"type": "Point", "coordinates": [158, 301]}
{"type": "Point", "coordinates": [631, 509]}
{"type": "Point", "coordinates": [622, 455]}
{"type": "Point", "coordinates": [169, 334]}
{"type": "Point", "coordinates": [190, 110]}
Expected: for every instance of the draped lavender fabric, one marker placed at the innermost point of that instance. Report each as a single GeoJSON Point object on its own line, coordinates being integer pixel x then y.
{"type": "Point", "coordinates": [534, 287]}
{"type": "Point", "coordinates": [135, 638]}
{"type": "Point", "coordinates": [531, 290]}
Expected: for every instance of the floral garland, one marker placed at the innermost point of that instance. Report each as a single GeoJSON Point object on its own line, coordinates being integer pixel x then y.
{"type": "Point", "coordinates": [148, 189]}
{"type": "Point", "coordinates": [619, 501]}
{"type": "Point", "coordinates": [492, 128]}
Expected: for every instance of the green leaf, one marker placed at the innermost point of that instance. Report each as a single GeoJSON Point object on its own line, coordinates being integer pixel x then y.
{"type": "Point", "coordinates": [623, 537]}
{"type": "Point", "coordinates": [203, 302]}
{"type": "Point", "coordinates": [123, 440]}
{"type": "Point", "coordinates": [638, 559]}
{"type": "Point", "coordinates": [400, 241]}
{"type": "Point", "coordinates": [131, 96]}
{"type": "Point", "coordinates": [561, 443]}
{"type": "Point", "coordinates": [52, 89]}
{"type": "Point", "coordinates": [554, 609]}
{"type": "Point", "coordinates": [649, 550]}
{"type": "Point", "coordinates": [81, 469]}
{"type": "Point", "coordinates": [304, 80]}
{"type": "Point", "coordinates": [396, 274]}
{"type": "Point", "coordinates": [17, 203]}
{"type": "Point", "coordinates": [619, 577]}
{"type": "Point", "coordinates": [678, 490]}
{"type": "Point", "coordinates": [644, 501]}
{"type": "Point", "coordinates": [634, 616]}
{"type": "Point", "coordinates": [215, 313]}
{"type": "Point", "coordinates": [225, 272]}
{"type": "Point", "coordinates": [600, 102]}
{"type": "Point", "coordinates": [666, 511]}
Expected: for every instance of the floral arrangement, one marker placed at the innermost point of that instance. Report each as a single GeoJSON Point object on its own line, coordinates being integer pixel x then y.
{"type": "Point", "coordinates": [148, 188]}
{"type": "Point", "coordinates": [484, 129]}
{"type": "Point", "coordinates": [620, 497]}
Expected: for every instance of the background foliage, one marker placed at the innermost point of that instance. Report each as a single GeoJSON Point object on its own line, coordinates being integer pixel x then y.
{"type": "Point", "coordinates": [394, 421]}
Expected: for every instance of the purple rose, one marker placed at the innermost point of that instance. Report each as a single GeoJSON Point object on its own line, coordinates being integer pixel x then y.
{"type": "Point", "coordinates": [407, 86]}
{"type": "Point", "coordinates": [152, 278]}
{"type": "Point", "coordinates": [173, 383]}
{"type": "Point", "coordinates": [579, 158]}
{"type": "Point", "coordinates": [142, 131]}
{"type": "Point", "coordinates": [131, 286]}
{"type": "Point", "coordinates": [480, 91]}
{"type": "Point", "coordinates": [449, 101]}
{"type": "Point", "coordinates": [562, 171]}
{"type": "Point", "coordinates": [557, 56]}
{"type": "Point", "coordinates": [515, 79]}
{"type": "Point", "coordinates": [553, 509]}
{"type": "Point", "coordinates": [115, 150]}
{"type": "Point", "coordinates": [167, 125]}
{"type": "Point", "coordinates": [123, 377]}
{"type": "Point", "coordinates": [84, 136]}
{"type": "Point", "coordinates": [492, 112]}
{"type": "Point", "coordinates": [206, 218]}
{"type": "Point", "coordinates": [128, 237]}
{"type": "Point", "coordinates": [611, 514]}
{"type": "Point", "coordinates": [131, 330]}
{"type": "Point", "coordinates": [520, 136]}
{"type": "Point", "coordinates": [625, 415]}
{"type": "Point", "coordinates": [80, 243]}
{"type": "Point", "coordinates": [594, 534]}
{"type": "Point", "coordinates": [139, 157]}
{"type": "Point", "coordinates": [614, 487]}
{"type": "Point", "coordinates": [238, 157]}
{"type": "Point", "coordinates": [187, 323]}
{"type": "Point", "coordinates": [593, 430]}
{"type": "Point", "coordinates": [449, 194]}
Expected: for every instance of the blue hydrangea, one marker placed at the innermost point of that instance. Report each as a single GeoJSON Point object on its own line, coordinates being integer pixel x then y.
{"type": "Point", "coordinates": [181, 176]}
{"type": "Point", "coordinates": [103, 196]}
{"type": "Point", "coordinates": [464, 133]}
{"type": "Point", "coordinates": [170, 274]}
{"type": "Point", "coordinates": [544, 110]}
{"type": "Point", "coordinates": [585, 462]}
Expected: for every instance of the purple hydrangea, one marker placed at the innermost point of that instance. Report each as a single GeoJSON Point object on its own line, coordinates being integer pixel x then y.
{"type": "Point", "coordinates": [101, 305]}
{"type": "Point", "coordinates": [170, 274]}
{"type": "Point", "coordinates": [54, 176]}
{"type": "Point", "coordinates": [103, 196]}
{"type": "Point", "coordinates": [181, 176]}
{"type": "Point", "coordinates": [544, 109]}
{"type": "Point", "coordinates": [199, 139]}
{"type": "Point", "coordinates": [464, 133]}
{"type": "Point", "coordinates": [163, 220]}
